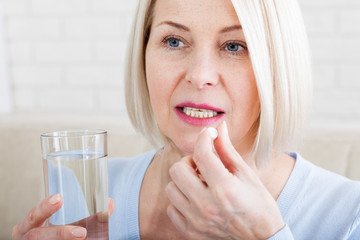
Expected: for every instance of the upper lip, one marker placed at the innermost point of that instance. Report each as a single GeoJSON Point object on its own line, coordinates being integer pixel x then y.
{"type": "Point", "coordinates": [200, 106]}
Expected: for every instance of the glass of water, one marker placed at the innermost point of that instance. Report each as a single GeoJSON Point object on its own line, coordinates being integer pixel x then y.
{"type": "Point", "coordinates": [75, 166]}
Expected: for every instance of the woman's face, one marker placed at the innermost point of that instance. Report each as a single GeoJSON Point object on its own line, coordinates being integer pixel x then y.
{"type": "Point", "coordinates": [199, 72]}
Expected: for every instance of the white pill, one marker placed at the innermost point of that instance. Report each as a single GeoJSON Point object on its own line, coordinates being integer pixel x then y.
{"type": "Point", "coordinates": [213, 133]}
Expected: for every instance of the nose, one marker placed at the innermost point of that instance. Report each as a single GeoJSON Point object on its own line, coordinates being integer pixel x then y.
{"type": "Point", "coordinates": [202, 71]}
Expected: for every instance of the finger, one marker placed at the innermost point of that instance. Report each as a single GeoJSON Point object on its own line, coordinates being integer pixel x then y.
{"type": "Point", "coordinates": [111, 206]}
{"type": "Point", "coordinates": [39, 214]}
{"type": "Point", "coordinates": [177, 198]}
{"type": "Point", "coordinates": [97, 219]}
{"type": "Point", "coordinates": [185, 177]}
{"type": "Point", "coordinates": [101, 217]}
{"type": "Point", "coordinates": [58, 232]}
{"type": "Point", "coordinates": [210, 166]}
{"type": "Point", "coordinates": [226, 151]}
{"type": "Point", "coordinates": [187, 229]}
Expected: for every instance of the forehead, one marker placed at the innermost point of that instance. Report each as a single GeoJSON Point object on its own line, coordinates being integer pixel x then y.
{"type": "Point", "coordinates": [209, 12]}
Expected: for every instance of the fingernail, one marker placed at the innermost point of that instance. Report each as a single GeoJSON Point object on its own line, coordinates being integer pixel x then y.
{"type": "Point", "coordinates": [202, 130]}
{"type": "Point", "coordinates": [79, 232]}
{"type": "Point", "coordinates": [213, 133]}
{"type": "Point", "coordinates": [54, 199]}
{"type": "Point", "coordinates": [103, 217]}
{"type": "Point", "coordinates": [225, 128]}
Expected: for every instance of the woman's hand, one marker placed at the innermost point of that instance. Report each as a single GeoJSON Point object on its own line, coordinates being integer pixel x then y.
{"type": "Point", "coordinates": [227, 200]}
{"type": "Point", "coordinates": [33, 225]}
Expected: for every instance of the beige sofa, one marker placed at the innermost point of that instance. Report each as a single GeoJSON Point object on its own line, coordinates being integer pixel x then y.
{"type": "Point", "coordinates": [21, 179]}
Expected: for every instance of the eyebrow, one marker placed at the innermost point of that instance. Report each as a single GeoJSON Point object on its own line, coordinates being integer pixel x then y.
{"type": "Point", "coordinates": [175, 25]}
{"type": "Point", "coordinates": [186, 29]}
{"type": "Point", "coordinates": [231, 28]}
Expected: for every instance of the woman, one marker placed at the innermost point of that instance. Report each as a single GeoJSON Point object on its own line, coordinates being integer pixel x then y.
{"type": "Point", "coordinates": [241, 67]}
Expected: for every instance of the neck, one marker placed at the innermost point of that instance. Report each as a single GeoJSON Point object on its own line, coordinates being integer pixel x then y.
{"type": "Point", "coordinates": [164, 159]}
{"type": "Point", "coordinates": [276, 174]}
{"type": "Point", "coordinates": [153, 200]}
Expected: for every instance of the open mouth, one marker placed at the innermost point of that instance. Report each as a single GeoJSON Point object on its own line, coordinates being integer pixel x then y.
{"type": "Point", "coordinates": [199, 113]}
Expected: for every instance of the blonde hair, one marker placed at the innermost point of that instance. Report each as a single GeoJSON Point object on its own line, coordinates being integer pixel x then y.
{"type": "Point", "coordinates": [279, 52]}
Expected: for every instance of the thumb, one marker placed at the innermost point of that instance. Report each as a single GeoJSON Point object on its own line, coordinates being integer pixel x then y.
{"type": "Point", "coordinates": [111, 206]}
{"type": "Point", "coordinates": [226, 151]}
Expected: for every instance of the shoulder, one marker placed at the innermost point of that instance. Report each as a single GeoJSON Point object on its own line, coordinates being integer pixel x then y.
{"type": "Point", "coordinates": [131, 160]}
{"type": "Point", "coordinates": [331, 184]}
{"type": "Point", "coordinates": [123, 168]}
{"type": "Point", "coordinates": [124, 171]}
{"type": "Point", "coordinates": [326, 197]}
{"type": "Point", "coordinates": [125, 179]}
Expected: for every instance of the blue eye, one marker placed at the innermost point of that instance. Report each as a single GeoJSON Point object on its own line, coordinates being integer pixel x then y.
{"type": "Point", "coordinates": [233, 47]}
{"type": "Point", "coordinates": [174, 42]}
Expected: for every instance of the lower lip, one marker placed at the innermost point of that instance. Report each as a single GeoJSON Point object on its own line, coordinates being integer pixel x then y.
{"type": "Point", "coordinates": [198, 121]}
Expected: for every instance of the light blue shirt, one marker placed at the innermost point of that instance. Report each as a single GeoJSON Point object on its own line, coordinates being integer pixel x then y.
{"type": "Point", "coordinates": [315, 203]}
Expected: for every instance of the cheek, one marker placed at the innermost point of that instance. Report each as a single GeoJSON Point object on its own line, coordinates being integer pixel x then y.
{"type": "Point", "coordinates": [163, 75]}
{"type": "Point", "coordinates": [245, 106]}
{"type": "Point", "coordinates": [160, 86]}
{"type": "Point", "coordinates": [153, 77]}
{"type": "Point", "coordinates": [243, 89]}
{"type": "Point", "coordinates": [252, 100]}
{"type": "Point", "coordinates": [156, 89]}
{"type": "Point", "coordinates": [250, 93]}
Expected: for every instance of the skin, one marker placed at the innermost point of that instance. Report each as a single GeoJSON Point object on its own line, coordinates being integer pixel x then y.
{"type": "Point", "coordinates": [200, 70]}
{"type": "Point", "coordinates": [192, 56]}
{"type": "Point", "coordinates": [196, 188]}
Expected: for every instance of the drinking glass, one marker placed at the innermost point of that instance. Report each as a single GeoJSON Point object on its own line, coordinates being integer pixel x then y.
{"type": "Point", "coordinates": [75, 166]}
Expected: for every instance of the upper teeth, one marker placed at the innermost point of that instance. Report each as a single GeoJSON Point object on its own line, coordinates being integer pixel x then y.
{"type": "Point", "coordinates": [199, 113]}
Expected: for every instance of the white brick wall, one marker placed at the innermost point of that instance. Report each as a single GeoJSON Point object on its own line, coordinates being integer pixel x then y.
{"type": "Point", "coordinates": [59, 7]}
{"type": "Point", "coordinates": [334, 32]}
{"type": "Point", "coordinates": [68, 55]}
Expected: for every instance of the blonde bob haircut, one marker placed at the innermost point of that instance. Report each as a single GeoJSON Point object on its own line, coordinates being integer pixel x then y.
{"type": "Point", "coordinates": [277, 42]}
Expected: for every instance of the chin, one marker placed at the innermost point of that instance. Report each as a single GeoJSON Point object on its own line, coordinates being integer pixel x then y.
{"type": "Point", "coordinates": [186, 144]}
{"type": "Point", "coordinates": [188, 149]}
